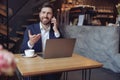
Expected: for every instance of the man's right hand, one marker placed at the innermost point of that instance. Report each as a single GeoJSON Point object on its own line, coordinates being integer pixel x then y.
{"type": "Point", "coordinates": [33, 38]}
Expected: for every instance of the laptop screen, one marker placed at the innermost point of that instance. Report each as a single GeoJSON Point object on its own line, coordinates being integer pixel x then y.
{"type": "Point", "coordinates": [57, 48]}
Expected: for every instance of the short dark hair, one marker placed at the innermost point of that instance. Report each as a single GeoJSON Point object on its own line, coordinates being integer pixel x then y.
{"type": "Point", "coordinates": [47, 4]}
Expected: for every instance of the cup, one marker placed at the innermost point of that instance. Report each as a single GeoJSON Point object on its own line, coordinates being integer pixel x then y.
{"type": "Point", "coordinates": [29, 52]}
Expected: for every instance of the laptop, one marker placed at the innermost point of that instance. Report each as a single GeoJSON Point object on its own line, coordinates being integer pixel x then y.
{"type": "Point", "coordinates": [58, 48]}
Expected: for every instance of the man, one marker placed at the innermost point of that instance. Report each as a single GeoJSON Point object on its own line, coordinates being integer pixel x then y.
{"type": "Point", "coordinates": [36, 35]}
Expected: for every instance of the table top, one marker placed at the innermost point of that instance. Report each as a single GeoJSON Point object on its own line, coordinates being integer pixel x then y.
{"type": "Point", "coordinates": [37, 65]}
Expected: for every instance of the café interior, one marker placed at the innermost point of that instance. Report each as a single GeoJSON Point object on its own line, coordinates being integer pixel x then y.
{"type": "Point", "coordinates": [94, 23]}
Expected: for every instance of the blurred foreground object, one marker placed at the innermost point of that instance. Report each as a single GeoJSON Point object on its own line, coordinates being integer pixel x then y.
{"type": "Point", "coordinates": [7, 62]}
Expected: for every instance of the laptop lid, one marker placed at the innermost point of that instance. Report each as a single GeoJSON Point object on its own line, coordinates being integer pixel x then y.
{"type": "Point", "coordinates": [57, 48]}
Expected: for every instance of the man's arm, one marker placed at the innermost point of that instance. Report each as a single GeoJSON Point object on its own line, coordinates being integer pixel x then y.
{"type": "Point", "coordinates": [55, 28]}
{"type": "Point", "coordinates": [31, 37]}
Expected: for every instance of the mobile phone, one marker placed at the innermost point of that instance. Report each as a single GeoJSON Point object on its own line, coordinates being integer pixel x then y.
{"type": "Point", "coordinates": [52, 24]}
{"type": "Point", "coordinates": [51, 21]}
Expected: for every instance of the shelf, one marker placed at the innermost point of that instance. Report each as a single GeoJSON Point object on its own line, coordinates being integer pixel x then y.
{"type": "Point", "coordinates": [104, 16]}
{"type": "Point", "coordinates": [104, 11]}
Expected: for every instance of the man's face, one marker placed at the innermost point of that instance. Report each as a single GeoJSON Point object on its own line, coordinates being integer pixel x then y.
{"type": "Point", "coordinates": [46, 15]}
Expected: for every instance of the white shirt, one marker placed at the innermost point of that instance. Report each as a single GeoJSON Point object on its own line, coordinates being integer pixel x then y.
{"type": "Point", "coordinates": [44, 36]}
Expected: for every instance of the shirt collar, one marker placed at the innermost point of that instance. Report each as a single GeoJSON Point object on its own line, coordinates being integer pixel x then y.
{"type": "Point", "coordinates": [41, 27]}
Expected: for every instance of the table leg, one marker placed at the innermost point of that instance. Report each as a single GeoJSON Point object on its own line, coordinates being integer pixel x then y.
{"type": "Point", "coordinates": [86, 74]}
{"type": "Point", "coordinates": [65, 75]}
{"type": "Point", "coordinates": [89, 76]}
{"type": "Point", "coordinates": [20, 77]}
{"type": "Point", "coordinates": [83, 74]}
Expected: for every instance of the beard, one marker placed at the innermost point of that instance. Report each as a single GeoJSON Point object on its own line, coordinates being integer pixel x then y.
{"type": "Point", "coordinates": [45, 21]}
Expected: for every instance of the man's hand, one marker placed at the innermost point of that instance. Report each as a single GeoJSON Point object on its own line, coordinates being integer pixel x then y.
{"type": "Point", "coordinates": [33, 38]}
{"type": "Point", "coordinates": [54, 21]}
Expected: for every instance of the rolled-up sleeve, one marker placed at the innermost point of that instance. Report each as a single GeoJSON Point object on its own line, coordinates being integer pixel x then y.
{"type": "Point", "coordinates": [30, 46]}
{"type": "Point", "coordinates": [57, 34]}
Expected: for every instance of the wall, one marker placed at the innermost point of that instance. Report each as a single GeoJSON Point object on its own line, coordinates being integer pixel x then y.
{"type": "Point", "coordinates": [16, 4]}
{"type": "Point", "coordinates": [20, 18]}
{"type": "Point", "coordinates": [96, 42]}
